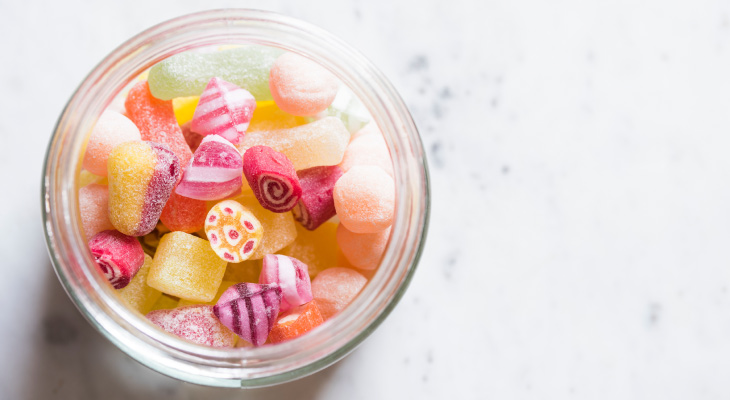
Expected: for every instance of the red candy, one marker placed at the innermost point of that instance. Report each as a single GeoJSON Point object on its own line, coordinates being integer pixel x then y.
{"type": "Point", "coordinates": [272, 177]}
{"type": "Point", "coordinates": [316, 205]}
{"type": "Point", "coordinates": [195, 323]}
{"type": "Point", "coordinates": [214, 172]}
{"type": "Point", "coordinates": [118, 256]}
{"type": "Point", "coordinates": [296, 322]}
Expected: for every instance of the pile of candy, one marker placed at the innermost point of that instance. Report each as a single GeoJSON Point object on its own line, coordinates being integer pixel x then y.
{"type": "Point", "coordinates": [240, 194]}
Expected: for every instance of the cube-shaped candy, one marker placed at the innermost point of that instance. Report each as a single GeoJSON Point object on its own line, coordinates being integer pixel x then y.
{"type": "Point", "coordinates": [233, 231]}
{"type": "Point", "coordinates": [335, 288]}
{"type": "Point", "coordinates": [296, 322]}
{"type": "Point", "coordinates": [197, 324]}
{"type": "Point", "coordinates": [138, 295]}
{"type": "Point", "coordinates": [187, 267]}
{"type": "Point", "coordinates": [317, 248]}
{"type": "Point", "coordinates": [279, 228]}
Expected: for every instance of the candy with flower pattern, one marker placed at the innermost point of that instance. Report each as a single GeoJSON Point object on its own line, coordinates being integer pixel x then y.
{"type": "Point", "coordinates": [233, 231]}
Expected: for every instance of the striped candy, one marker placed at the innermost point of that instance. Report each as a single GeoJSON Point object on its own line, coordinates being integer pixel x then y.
{"type": "Point", "coordinates": [224, 109]}
{"type": "Point", "coordinates": [291, 275]}
{"type": "Point", "coordinates": [214, 172]}
{"type": "Point", "coordinates": [249, 310]}
{"type": "Point", "coordinates": [272, 177]}
{"type": "Point", "coordinates": [316, 205]}
{"type": "Point", "coordinates": [118, 256]}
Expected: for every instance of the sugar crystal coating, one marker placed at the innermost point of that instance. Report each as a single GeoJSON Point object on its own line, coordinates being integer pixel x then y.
{"type": "Point", "coordinates": [296, 322]}
{"type": "Point", "coordinates": [316, 204]}
{"type": "Point", "coordinates": [279, 228]}
{"type": "Point", "coordinates": [138, 295]}
{"type": "Point", "coordinates": [291, 275]}
{"type": "Point", "coordinates": [317, 248]}
{"type": "Point", "coordinates": [233, 231]}
{"type": "Point", "coordinates": [272, 177]}
{"type": "Point", "coordinates": [362, 250]}
{"type": "Point", "coordinates": [117, 255]}
{"type": "Point", "coordinates": [214, 172]}
{"type": "Point", "coordinates": [94, 209]}
{"type": "Point", "coordinates": [184, 214]}
{"type": "Point", "coordinates": [249, 310]}
{"type": "Point", "coordinates": [335, 288]}
{"type": "Point", "coordinates": [111, 129]}
{"type": "Point", "coordinates": [365, 199]}
{"type": "Point", "coordinates": [197, 324]}
{"type": "Point", "coordinates": [224, 109]}
{"type": "Point", "coordinates": [367, 149]}
{"type": "Point", "coordinates": [300, 86]}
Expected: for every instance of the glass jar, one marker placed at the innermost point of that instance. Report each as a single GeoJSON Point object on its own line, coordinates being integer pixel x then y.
{"type": "Point", "coordinates": [238, 367]}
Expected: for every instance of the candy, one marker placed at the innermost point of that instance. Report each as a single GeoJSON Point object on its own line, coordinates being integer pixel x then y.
{"type": "Point", "coordinates": [118, 256]}
{"type": "Point", "coordinates": [184, 214]}
{"type": "Point", "coordinates": [272, 177]}
{"type": "Point", "coordinates": [269, 117]}
{"type": "Point", "coordinates": [222, 288]}
{"type": "Point", "coordinates": [300, 86]}
{"type": "Point", "coordinates": [191, 138]}
{"type": "Point", "coordinates": [362, 250]}
{"type": "Point", "coordinates": [315, 144]}
{"type": "Point", "coordinates": [156, 121]}
{"type": "Point", "coordinates": [214, 171]}
{"type": "Point", "coordinates": [224, 109]}
{"type": "Point", "coordinates": [87, 178]}
{"type": "Point", "coordinates": [141, 178]}
{"type": "Point", "coordinates": [335, 288]}
{"type": "Point", "coordinates": [187, 74]}
{"type": "Point", "coordinates": [369, 149]}
{"type": "Point", "coordinates": [197, 324]}
{"type": "Point", "coordinates": [185, 266]}
{"type": "Point", "coordinates": [316, 205]}
{"type": "Point", "coordinates": [292, 277]}
{"type": "Point", "coordinates": [280, 228]}
{"type": "Point", "coordinates": [111, 129]}
{"type": "Point", "coordinates": [151, 240]}
{"type": "Point", "coordinates": [94, 209]}
{"type": "Point", "coordinates": [233, 231]}
{"type": "Point", "coordinates": [296, 322]}
{"type": "Point", "coordinates": [184, 109]}
{"type": "Point", "coordinates": [249, 310]}
{"type": "Point", "coordinates": [318, 248]}
{"type": "Point", "coordinates": [365, 199]}
{"type": "Point", "coordinates": [138, 295]}
{"type": "Point", "coordinates": [348, 108]}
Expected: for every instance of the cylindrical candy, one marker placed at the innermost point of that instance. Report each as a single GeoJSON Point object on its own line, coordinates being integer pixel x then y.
{"type": "Point", "coordinates": [233, 231]}
{"type": "Point", "coordinates": [197, 324]}
{"type": "Point", "coordinates": [292, 277]}
{"type": "Point", "coordinates": [118, 256]}
{"type": "Point", "coordinates": [272, 178]}
{"type": "Point", "coordinates": [316, 205]}
{"type": "Point", "coordinates": [141, 178]}
{"type": "Point", "coordinates": [214, 172]}
{"type": "Point", "coordinates": [111, 129]}
{"type": "Point", "coordinates": [365, 199]}
{"type": "Point", "coordinates": [249, 310]}
{"type": "Point", "coordinates": [296, 322]}
{"type": "Point", "coordinates": [300, 86]}
{"type": "Point", "coordinates": [224, 109]}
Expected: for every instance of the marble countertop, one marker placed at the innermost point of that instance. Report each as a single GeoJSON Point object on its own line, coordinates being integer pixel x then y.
{"type": "Point", "coordinates": [579, 240]}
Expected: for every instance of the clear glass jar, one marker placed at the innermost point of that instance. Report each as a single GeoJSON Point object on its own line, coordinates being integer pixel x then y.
{"type": "Point", "coordinates": [239, 367]}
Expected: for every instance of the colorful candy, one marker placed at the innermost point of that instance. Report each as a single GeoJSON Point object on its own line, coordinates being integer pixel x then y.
{"type": "Point", "coordinates": [138, 295]}
{"type": "Point", "coordinates": [365, 199]}
{"type": "Point", "coordinates": [269, 117]}
{"type": "Point", "coordinates": [272, 177]}
{"type": "Point", "coordinates": [300, 86]}
{"type": "Point", "coordinates": [291, 275]}
{"type": "Point", "coordinates": [249, 310]}
{"type": "Point", "coordinates": [280, 228]}
{"type": "Point", "coordinates": [368, 149]}
{"type": "Point", "coordinates": [317, 248]}
{"type": "Point", "coordinates": [233, 232]}
{"type": "Point", "coordinates": [296, 322]}
{"type": "Point", "coordinates": [94, 209]}
{"type": "Point", "coordinates": [224, 109]}
{"type": "Point", "coordinates": [187, 74]}
{"type": "Point", "coordinates": [184, 109]}
{"type": "Point", "coordinates": [335, 288]}
{"type": "Point", "coordinates": [187, 267]}
{"type": "Point", "coordinates": [315, 144]}
{"type": "Point", "coordinates": [362, 250]}
{"type": "Point", "coordinates": [214, 171]}
{"type": "Point", "coordinates": [111, 129]}
{"type": "Point", "coordinates": [316, 205]}
{"type": "Point", "coordinates": [197, 324]}
{"type": "Point", "coordinates": [141, 178]}
{"type": "Point", "coordinates": [117, 255]}
{"type": "Point", "coordinates": [184, 214]}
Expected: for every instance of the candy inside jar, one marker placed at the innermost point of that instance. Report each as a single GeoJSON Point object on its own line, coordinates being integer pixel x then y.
{"type": "Point", "coordinates": [239, 170]}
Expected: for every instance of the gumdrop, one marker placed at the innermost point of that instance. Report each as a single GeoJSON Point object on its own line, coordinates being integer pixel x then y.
{"type": "Point", "coordinates": [184, 214]}
{"type": "Point", "coordinates": [94, 209]}
{"type": "Point", "coordinates": [362, 250]}
{"type": "Point", "coordinates": [300, 86]}
{"type": "Point", "coordinates": [335, 288]}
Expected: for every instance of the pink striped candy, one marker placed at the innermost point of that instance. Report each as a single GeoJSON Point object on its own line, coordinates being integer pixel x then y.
{"type": "Point", "coordinates": [272, 177]}
{"type": "Point", "coordinates": [316, 205]}
{"type": "Point", "coordinates": [214, 172]}
{"type": "Point", "coordinates": [291, 275]}
{"type": "Point", "coordinates": [224, 109]}
{"type": "Point", "coordinates": [249, 310]}
{"type": "Point", "coordinates": [118, 256]}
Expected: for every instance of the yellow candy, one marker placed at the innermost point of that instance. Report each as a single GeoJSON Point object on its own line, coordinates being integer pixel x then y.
{"type": "Point", "coordinates": [318, 248]}
{"type": "Point", "coordinates": [247, 271]}
{"type": "Point", "coordinates": [87, 178]}
{"type": "Point", "coordinates": [165, 302]}
{"type": "Point", "coordinates": [187, 267]}
{"type": "Point", "coordinates": [268, 117]}
{"type": "Point", "coordinates": [279, 228]}
{"type": "Point", "coordinates": [184, 108]}
{"type": "Point", "coordinates": [137, 294]}
{"type": "Point", "coordinates": [224, 285]}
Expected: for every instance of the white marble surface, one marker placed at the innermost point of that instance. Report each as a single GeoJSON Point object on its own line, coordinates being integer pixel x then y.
{"type": "Point", "coordinates": [580, 236]}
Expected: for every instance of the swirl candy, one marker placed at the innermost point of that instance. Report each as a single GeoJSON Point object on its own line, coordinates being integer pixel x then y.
{"type": "Point", "coordinates": [214, 171]}
{"type": "Point", "coordinates": [233, 231]}
{"type": "Point", "coordinates": [272, 178]}
{"type": "Point", "coordinates": [249, 310]}
{"type": "Point", "coordinates": [118, 256]}
{"type": "Point", "coordinates": [292, 277]}
{"type": "Point", "coordinates": [224, 109]}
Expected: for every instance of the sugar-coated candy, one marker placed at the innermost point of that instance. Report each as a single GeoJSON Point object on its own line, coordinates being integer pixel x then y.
{"type": "Point", "coordinates": [87, 178]}
{"type": "Point", "coordinates": [291, 275]}
{"type": "Point", "coordinates": [367, 149]}
{"type": "Point", "coordinates": [300, 86]}
{"type": "Point", "coordinates": [111, 129]}
{"type": "Point", "coordinates": [365, 199]}
{"type": "Point", "coordinates": [141, 178]}
{"type": "Point", "coordinates": [184, 108]}
{"type": "Point", "coordinates": [165, 302]}
{"type": "Point", "coordinates": [138, 295]}
{"type": "Point", "coordinates": [156, 121]}
{"type": "Point", "coordinates": [233, 231]}
{"type": "Point", "coordinates": [348, 108]}
{"type": "Point", "coordinates": [317, 143]}
{"type": "Point", "coordinates": [222, 288]}
{"type": "Point", "coordinates": [118, 256]}
{"type": "Point", "coordinates": [197, 324]}
{"type": "Point", "coordinates": [317, 248]}
{"type": "Point", "coordinates": [94, 209]}
{"type": "Point", "coordinates": [280, 228]}
{"type": "Point", "coordinates": [335, 288]}
{"type": "Point", "coordinates": [191, 138]}
{"type": "Point", "coordinates": [362, 250]}
{"type": "Point", "coordinates": [184, 214]}
{"type": "Point", "coordinates": [296, 322]}
{"type": "Point", "coordinates": [269, 117]}
{"type": "Point", "coordinates": [249, 310]}
{"type": "Point", "coordinates": [185, 266]}
{"type": "Point", "coordinates": [187, 74]}
{"type": "Point", "coordinates": [272, 178]}
{"type": "Point", "coordinates": [214, 172]}
{"type": "Point", "coordinates": [224, 109]}
{"type": "Point", "coordinates": [316, 205]}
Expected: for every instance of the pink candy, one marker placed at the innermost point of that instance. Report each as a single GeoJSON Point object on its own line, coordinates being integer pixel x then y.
{"type": "Point", "coordinates": [94, 209]}
{"type": "Point", "coordinates": [335, 288]}
{"type": "Point", "coordinates": [291, 275]}
{"type": "Point", "coordinates": [272, 177]}
{"type": "Point", "coordinates": [195, 323]}
{"type": "Point", "coordinates": [214, 171]}
{"type": "Point", "coordinates": [316, 205]}
{"type": "Point", "coordinates": [301, 86]}
{"type": "Point", "coordinates": [365, 199]}
{"type": "Point", "coordinates": [111, 129]}
{"type": "Point", "coordinates": [118, 256]}
{"type": "Point", "coordinates": [249, 310]}
{"type": "Point", "coordinates": [224, 109]}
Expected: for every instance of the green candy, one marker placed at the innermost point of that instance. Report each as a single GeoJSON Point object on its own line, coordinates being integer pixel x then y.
{"type": "Point", "coordinates": [187, 74]}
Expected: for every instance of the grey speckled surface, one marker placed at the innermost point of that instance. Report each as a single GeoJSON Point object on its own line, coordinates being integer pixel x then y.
{"type": "Point", "coordinates": [579, 239]}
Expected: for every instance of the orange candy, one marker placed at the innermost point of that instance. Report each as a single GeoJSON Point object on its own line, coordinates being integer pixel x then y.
{"type": "Point", "coordinates": [296, 322]}
{"type": "Point", "coordinates": [184, 214]}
